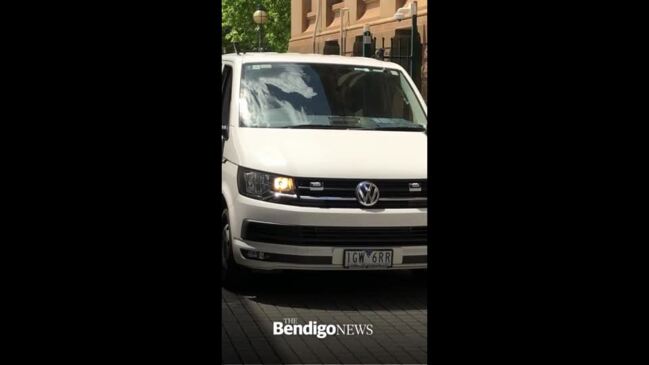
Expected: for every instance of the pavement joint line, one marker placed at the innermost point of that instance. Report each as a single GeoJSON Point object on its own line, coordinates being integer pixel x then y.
{"type": "Point", "coordinates": [399, 335]}
{"type": "Point", "coordinates": [247, 306]}
{"type": "Point", "coordinates": [231, 348]}
{"type": "Point", "coordinates": [280, 339]}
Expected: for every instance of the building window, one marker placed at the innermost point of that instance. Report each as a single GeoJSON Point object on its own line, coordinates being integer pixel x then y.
{"type": "Point", "coordinates": [368, 9]}
{"type": "Point", "coordinates": [332, 11]}
{"type": "Point", "coordinates": [400, 51]}
{"type": "Point", "coordinates": [308, 16]}
{"type": "Point", "coordinates": [331, 47]}
{"type": "Point", "coordinates": [358, 47]}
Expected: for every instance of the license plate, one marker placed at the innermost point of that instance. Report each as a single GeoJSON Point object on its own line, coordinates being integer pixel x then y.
{"type": "Point", "coordinates": [367, 258]}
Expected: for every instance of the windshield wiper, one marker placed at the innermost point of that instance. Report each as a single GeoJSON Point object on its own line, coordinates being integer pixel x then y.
{"type": "Point", "coordinates": [320, 126]}
{"type": "Point", "coordinates": [417, 128]}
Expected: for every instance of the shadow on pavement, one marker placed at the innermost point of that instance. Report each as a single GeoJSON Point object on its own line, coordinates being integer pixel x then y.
{"type": "Point", "coordinates": [378, 290]}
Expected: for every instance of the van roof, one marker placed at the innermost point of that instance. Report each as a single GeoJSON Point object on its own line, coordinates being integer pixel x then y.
{"type": "Point", "coordinates": [256, 57]}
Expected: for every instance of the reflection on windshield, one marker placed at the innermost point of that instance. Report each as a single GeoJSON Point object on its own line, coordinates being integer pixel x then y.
{"type": "Point", "coordinates": [283, 95]}
{"type": "Point", "coordinates": [290, 79]}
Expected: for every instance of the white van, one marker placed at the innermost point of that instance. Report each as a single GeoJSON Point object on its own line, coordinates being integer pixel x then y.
{"type": "Point", "coordinates": [323, 164]}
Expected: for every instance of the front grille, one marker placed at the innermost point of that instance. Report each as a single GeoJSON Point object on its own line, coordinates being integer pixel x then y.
{"type": "Point", "coordinates": [334, 236]}
{"type": "Point", "coordinates": [341, 193]}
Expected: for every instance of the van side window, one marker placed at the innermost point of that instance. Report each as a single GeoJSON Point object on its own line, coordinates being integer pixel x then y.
{"type": "Point", "coordinates": [226, 93]}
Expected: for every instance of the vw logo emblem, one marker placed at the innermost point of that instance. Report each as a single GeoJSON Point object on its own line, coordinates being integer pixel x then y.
{"type": "Point", "coordinates": [367, 193]}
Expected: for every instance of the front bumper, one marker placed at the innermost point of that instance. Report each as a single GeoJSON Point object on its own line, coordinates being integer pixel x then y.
{"type": "Point", "coordinates": [321, 257]}
{"type": "Point", "coordinates": [290, 257]}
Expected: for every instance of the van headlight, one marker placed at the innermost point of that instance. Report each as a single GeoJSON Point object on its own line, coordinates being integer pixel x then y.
{"type": "Point", "coordinates": [265, 186]}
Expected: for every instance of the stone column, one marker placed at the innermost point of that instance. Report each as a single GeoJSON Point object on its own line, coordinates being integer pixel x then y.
{"type": "Point", "coordinates": [297, 18]}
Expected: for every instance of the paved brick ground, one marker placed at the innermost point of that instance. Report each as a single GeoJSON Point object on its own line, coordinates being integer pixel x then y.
{"type": "Point", "coordinates": [394, 302]}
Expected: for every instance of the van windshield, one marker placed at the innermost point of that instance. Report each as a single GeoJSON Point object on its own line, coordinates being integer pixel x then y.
{"type": "Point", "coordinates": [327, 96]}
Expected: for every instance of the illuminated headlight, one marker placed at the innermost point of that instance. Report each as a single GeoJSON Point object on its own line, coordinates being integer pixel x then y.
{"type": "Point", "coordinates": [283, 184]}
{"type": "Point", "coordinates": [262, 185]}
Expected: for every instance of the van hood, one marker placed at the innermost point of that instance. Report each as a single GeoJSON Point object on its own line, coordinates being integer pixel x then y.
{"type": "Point", "coordinates": [333, 153]}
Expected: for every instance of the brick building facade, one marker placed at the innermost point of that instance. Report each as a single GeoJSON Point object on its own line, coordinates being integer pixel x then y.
{"type": "Point", "coordinates": [378, 14]}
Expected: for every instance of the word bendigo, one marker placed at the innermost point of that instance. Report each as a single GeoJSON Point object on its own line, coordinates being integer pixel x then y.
{"type": "Point", "coordinates": [322, 330]}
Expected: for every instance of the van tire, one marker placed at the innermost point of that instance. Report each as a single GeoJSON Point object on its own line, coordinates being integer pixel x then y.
{"type": "Point", "coordinates": [233, 275]}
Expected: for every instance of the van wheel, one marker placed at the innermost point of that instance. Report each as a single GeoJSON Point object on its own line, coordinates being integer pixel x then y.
{"type": "Point", "coordinates": [232, 274]}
